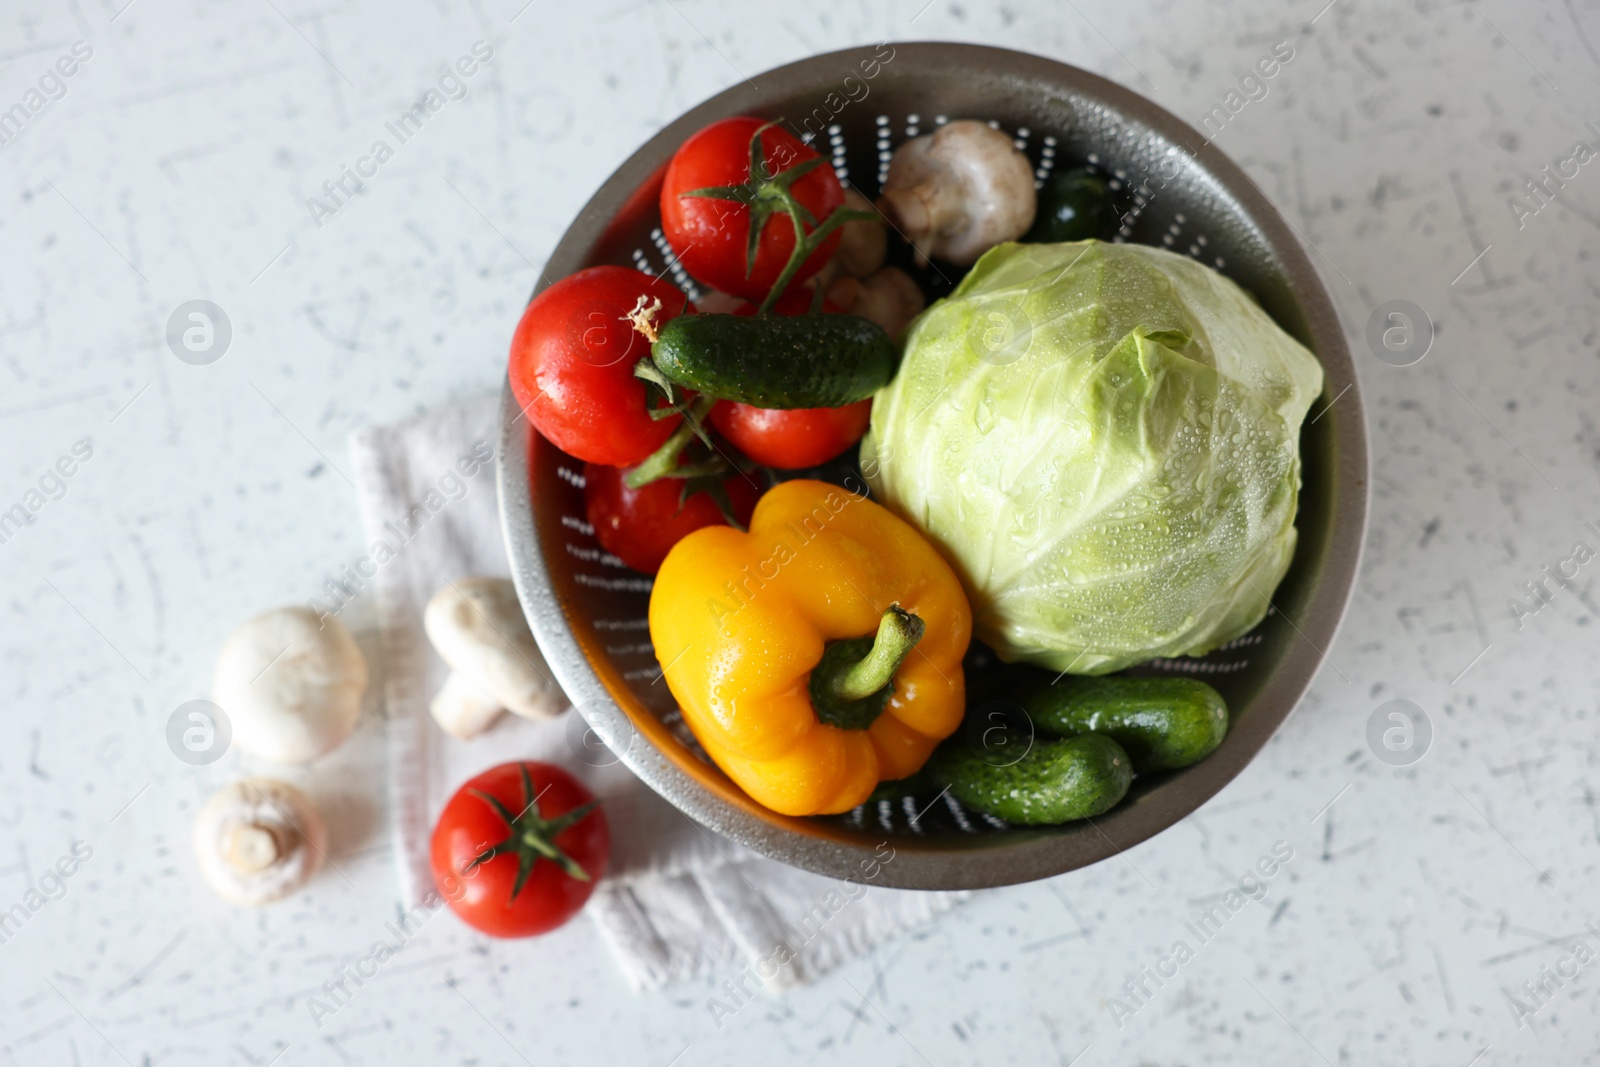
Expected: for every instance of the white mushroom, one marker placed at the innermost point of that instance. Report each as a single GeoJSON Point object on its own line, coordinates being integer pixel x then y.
{"type": "Point", "coordinates": [462, 708]}
{"type": "Point", "coordinates": [258, 840]}
{"type": "Point", "coordinates": [958, 192]}
{"type": "Point", "coordinates": [716, 302]}
{"type": "Point", "coordinates": [862, 243]}
{"type": "Point", "coordinates": [889, 298]}
{"type": "Point", "coordinates": [291, 683]}
{"type": "Point", "coordinates": [477, 627]}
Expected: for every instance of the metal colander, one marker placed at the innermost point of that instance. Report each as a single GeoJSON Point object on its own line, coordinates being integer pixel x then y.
{"type": "Point", "coordinates": [588, 611]}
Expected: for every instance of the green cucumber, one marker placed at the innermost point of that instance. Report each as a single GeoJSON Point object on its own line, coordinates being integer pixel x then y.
{"type": "Point", "coordinates": [1163, 723]}
{"type": "Point", "coordinates": [794, 361]}
{"type": "Point", "coordinates": [1052, 782]}
{"type": "Point", "coordinates": [1074, 205]}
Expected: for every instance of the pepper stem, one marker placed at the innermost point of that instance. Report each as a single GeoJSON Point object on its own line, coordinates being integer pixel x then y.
{"type": "Point", "coordinates": [898, 631]}
{"type": "Point", "coordinates": [854, 680]}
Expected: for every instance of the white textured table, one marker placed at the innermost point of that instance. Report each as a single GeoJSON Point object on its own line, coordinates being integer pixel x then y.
{"type": "Point", "coordinates": [177, 164]}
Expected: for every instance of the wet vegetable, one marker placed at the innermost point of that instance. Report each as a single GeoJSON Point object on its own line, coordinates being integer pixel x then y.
{"type": "Point", "coordinates": [1104, 440]}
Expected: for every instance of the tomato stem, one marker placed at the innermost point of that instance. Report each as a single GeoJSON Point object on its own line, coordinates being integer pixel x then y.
{"type": "Point", "coordinates": [765, 195]}
{"type": "Point", "coordinates": [663, 462]}
{"type": "Point", "coordinates": [805, 244]}
{"type": "Point", "coordinates": [531, 836]}
{"type": "Point", "coordinates": [707, 478]}
{"type": "Point", "coordinates": [643, 316]}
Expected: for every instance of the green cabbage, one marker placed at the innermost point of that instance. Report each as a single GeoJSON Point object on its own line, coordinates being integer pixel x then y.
{"type": "Point", "coordinates": [1104, 440]}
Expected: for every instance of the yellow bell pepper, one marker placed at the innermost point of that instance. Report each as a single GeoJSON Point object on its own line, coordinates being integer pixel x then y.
{"type": "Point", "coordinates": [816, 654]}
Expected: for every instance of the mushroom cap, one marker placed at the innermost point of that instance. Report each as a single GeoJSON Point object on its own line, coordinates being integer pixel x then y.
{"type": "Point", "coordinates": [477, 627]}
{"type": "Point", "coordinates": [258, 840]}
{"type": "Point", "coordinates": [890, 298]}
{"type": "Point", "coordinates": [863, 243]}
{"type": "Point", "coordinates": [960, 191]}
{"type": "Point", "coordinates": [291, 684]}
{"type": "Point", "coordinates": [716, 302]}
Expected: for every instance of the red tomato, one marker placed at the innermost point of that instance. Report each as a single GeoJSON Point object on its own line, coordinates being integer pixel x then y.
{"type": "Point", "coordinates": [486, 865]}
{"type": "Point", "coordinates": [794, 301]}
{"type": "Point", "coordinates": [640, 526]}
{"type": "Point", "coordinates": [792, 439]}
{"type": "Point", "coordinates": [572, 365]}
{"type": "Point", "coordinates": [711, 236]}
{"type": "Point", "coordinates": [798, 437]}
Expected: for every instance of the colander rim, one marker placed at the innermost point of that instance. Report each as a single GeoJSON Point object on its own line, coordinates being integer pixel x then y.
{"type": "Point", "coordinates": [1016, 855]}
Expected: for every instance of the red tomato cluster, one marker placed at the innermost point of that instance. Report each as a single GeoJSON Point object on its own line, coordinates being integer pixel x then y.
{"type": "Point", "coordinates": [576, 348]}
{"type": "Point", "coordinates": [518, 849]}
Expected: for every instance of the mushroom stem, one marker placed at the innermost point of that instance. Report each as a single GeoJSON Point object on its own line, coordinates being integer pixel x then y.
{"type": "Point", "coordinates": [477, 626]}
{"type": "Point", "coordinates": [258, 840]}
{"type": "Point", "coordinates": [252, 847]}
{"type": "Point", "coordinates": [463, 709]}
